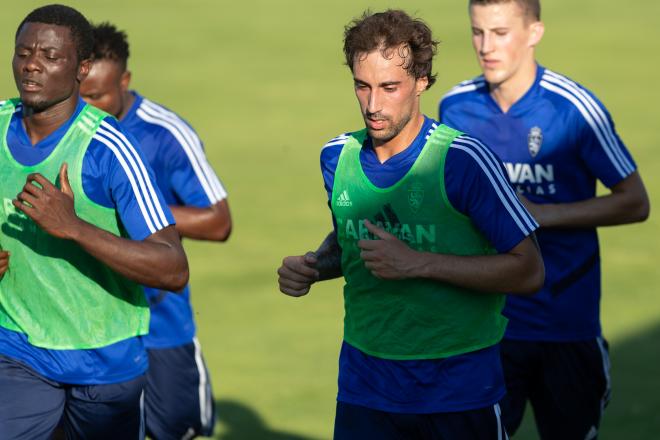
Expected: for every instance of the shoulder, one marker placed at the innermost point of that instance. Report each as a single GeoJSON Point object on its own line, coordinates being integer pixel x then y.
{"type": "Point", "coordinates": [15, 103]}
{"type": "Point", "coordinates": [463, 90]}
{"type": "Point", "coordinates": [112, 143]}
{"type": "Point", "coordinates": [161, 120]}
{"type": "Point", "coordinates": [469, 153]}
{"type": "Point", "coordinates": [332, 149]}
{"type": "Point", "coordinates": [572, 96]}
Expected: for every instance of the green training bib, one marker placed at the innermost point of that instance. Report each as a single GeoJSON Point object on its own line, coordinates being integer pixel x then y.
{"type": "Point", "coordinates": [413, 318]}
{"type": "Point", "coordinates": [54, 292]}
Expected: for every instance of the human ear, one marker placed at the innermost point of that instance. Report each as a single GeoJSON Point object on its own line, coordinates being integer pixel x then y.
{"type": "Point", "coordinates": [125, 80]}
{"type": "Point", "coordinates": [83, 70]}
{"type": "Point", "coordinates": [537, 29]}
{"type": "Point", "coordinates": [421, 84]}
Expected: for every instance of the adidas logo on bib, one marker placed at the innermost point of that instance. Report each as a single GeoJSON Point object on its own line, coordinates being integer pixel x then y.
{"type": "Point", "coordinates": [343, 199]}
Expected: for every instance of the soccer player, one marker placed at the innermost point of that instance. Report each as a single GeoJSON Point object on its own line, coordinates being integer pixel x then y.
{"type": "Point", "coordinates": [84, 226]}
{"type": "Point", "coordinates": [178, 398]}
{"type": "Point", "coordinates": [430, 234]}
{"type": "Point", "coordinates": [556, 140]}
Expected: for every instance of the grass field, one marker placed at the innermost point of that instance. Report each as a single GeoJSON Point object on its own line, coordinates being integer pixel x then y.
{"type": "Point", "coordinates": [264, 85]}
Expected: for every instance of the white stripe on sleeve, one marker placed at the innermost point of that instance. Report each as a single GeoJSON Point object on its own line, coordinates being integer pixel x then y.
{"type": "Point", "coordinates": [131, 178]}
{"type": "Point", "coordinates": [146, 186]}
{"type": "Point", "coordinates": [601, 127]}
{"type": "Point", "coordinates": [493, 170]}
{"type": "Point", "coordinates": [191, 145]}
{"type": "Point", "coordinates": [196, 143]}
{"type": "Point", "coordinates": [597, 110]}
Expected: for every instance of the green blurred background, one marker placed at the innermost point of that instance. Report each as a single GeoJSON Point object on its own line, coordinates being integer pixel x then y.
{"type": "Point", "coordinates": [264, 85]}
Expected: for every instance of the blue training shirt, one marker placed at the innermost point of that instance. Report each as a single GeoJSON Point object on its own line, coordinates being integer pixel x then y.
{"type": "Point", "coordinates": [116, 175]}
{"type": "Point", "coordinates": [184, 176]}
{"type": "Point", "coordinates": [476, 186]}
{"type": "Point", "coordinates": [556, 142]}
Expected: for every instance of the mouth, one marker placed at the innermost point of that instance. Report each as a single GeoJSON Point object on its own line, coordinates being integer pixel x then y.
{"type": "Point", "coordinates": [29, 85]}
{"type": "Point", "coordinates": [489, 62]}
{"type": "Point", "coordinates": [376, 124]}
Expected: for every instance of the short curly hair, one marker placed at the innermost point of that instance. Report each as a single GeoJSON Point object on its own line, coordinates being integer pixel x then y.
{"type": "Point", "coordinates": [388, 30]}
{"type": "Point", "coordinates": [110, 44]}
{"type": "Point", "coordinates": [61, 15]}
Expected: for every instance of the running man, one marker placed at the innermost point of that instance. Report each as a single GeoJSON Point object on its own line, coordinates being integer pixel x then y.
{"type": "Point", "coordinates": [428, 235]}
{"type": "Point", "coordinates": [178, 398]}
{"type": "Point", "coordinates": [556, 140]}
{"type": "Point", "coordinates": [84, 225]}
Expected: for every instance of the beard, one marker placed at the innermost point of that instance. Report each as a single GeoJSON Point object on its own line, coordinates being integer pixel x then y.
{"type": "Point", "coordinates": [389, 132]}
{"type": "Point", "coordinates": [36, 104]}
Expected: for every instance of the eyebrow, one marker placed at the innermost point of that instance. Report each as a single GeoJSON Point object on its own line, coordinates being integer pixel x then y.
{"type": "Point", "coordinates": [43, 49]}
{"type": "Point", "coordinates": [383, 84]}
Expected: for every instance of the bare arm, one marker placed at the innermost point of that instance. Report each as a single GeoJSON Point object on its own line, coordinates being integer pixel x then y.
{"type": "Point", "coordinates": [212, 223]}
{"type": "Point", "coordinates": [627, 203]}
{"type": "Point", "coordinates": [4, 262]}
{"type": "Point", "coordinates": [158, 261]}
{"type": "Point", "coordinates": [299, 272]}
{"type": "Point", "coordinates": [519, 271]}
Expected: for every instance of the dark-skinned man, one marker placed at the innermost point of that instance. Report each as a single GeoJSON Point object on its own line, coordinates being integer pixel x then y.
{"type": "Point", "coordinates": [178, 397]}
{"type": "Point", "coordinates": [84, 226]}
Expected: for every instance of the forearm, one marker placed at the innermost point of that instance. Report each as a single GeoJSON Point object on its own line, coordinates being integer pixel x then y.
{"type": "Point", "coordinates": [329, 258]}
{"type": "Point", "coordinates": [627, 203]}
{"type": "Point", "coordinates": [501, 273]}
{"type": "Point", "coordinates": [212, 223]}
{"type": "Point", "coordinates": [158, 261]}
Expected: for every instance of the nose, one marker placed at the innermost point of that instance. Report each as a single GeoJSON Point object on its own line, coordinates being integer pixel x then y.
{"type": "Point", "coordinates": [373, 103]}
{"type": "Point", "coordinates": [486, 44]}
{"type": "Point", "coordinates": [31, 63]}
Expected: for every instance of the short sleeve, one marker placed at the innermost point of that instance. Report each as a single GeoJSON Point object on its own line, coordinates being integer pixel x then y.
{"type": "Point", "coordinates": [477, 187]}
{"type": "Point", "coordinates": [600, 146]}
{"type": "Point", "coordinates": [191, 176]}
{"type": "Point", "coordinates": [116, 175]}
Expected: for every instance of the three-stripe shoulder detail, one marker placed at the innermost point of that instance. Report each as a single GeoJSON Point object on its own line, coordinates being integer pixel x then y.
{"type": "Point", "coordinates": [137, 175]}
{"type": "Point", "coordinates": [492, 169]}
{"type": "Point", "coordinates": [593, 114]}
{"type": "Point", "coordinates": [466, 86]}
{"type": "Point", "coordinates": [191, 144]}
{"type": "Point", "coordinates": [433, 127]}
{"type": "Point", "coordinates": [339, 140]}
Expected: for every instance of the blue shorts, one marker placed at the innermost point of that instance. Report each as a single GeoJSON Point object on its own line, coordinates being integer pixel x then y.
{"type": "Point", "coordinates": [353, 422]}
{"type": "Point", "coordinates": [32, 406]}
{"type": "Point", "coordinates": [178, 396]}
{"type": "Point", "coordinates": [566, 383]}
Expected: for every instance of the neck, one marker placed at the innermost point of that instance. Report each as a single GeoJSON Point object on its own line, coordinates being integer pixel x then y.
{"type": "Point", "coordinates": [39, 125]}
{"type": "Point", "coordinates": [128, 100]}
{"type": "Point", "coordinates": [385, 150]}
{"type": "Point", "coordinates": [512, 89]}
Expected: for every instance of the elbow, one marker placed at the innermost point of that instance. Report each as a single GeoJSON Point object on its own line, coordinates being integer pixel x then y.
{"type": "Point", "coordinates": [177, 279]}
{"type": "Point", "coordinates": [642, 211]}
{"type": "Point", "coordinates": [223, 232]}
{"type": "Point", "coordinates": [223, 223]}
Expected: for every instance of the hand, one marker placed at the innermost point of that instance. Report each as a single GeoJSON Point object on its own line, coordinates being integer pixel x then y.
{"type": "Point", "coordinates": [4, 262]}
{"type": "Point", "coordinates": [537, 210]}
{"type": "Point", "coordinates": [50, 208]}
{"type": "Point", "coordinates": [388, 258]}
{"type": "Point", "coordinates": [297, 274]}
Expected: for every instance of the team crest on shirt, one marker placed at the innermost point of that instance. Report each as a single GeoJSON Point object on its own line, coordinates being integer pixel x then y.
{"type": "Point", "coordinates": [534, 141]}
{"type": "Point", "coordinates": [415, 196]}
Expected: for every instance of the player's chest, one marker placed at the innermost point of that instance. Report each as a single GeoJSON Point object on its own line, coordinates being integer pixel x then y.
{"type": "Point", "coordinates": [539, 150]}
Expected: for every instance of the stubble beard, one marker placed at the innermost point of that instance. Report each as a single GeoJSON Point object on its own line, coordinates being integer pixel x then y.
{"type": "Point", "coordinates": [391, 132]}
